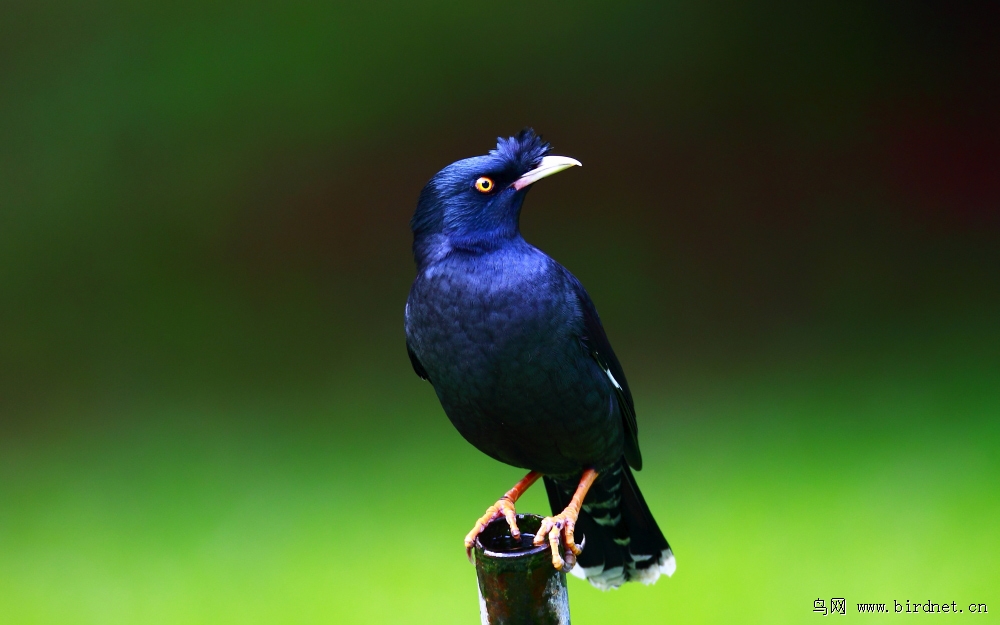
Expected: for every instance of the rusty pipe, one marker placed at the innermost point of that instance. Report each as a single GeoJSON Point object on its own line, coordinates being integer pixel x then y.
{"type": "Point", "coordinates": [517, 583]}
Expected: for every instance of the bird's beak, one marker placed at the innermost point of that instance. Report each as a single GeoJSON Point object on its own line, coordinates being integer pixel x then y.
{"type": "Point", "coordinates": [549, 165]}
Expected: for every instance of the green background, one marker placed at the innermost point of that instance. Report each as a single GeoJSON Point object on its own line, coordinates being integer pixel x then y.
{"type": "Point", "coordinates": [787, 216]}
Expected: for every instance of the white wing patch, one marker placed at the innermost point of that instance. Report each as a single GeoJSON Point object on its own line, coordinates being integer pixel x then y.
{"type": "Point", "coordinates": [613, 380]}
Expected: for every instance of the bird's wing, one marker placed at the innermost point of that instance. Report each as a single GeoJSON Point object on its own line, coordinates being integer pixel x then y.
{"type": "Point", "coordinates": [417, 367]}
{"type": "Point", "coordinates": [595, 341]}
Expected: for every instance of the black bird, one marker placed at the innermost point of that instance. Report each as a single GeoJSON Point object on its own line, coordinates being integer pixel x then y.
{"type": "Point", "coordinates": [520, 362]}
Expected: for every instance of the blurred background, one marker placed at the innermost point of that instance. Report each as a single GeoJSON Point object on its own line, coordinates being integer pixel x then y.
{"type": "Point", "coordinates": [788, 216]}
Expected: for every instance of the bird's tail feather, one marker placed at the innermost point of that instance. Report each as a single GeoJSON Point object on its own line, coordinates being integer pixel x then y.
{"type": "Point", "coordinates": [620, 538]}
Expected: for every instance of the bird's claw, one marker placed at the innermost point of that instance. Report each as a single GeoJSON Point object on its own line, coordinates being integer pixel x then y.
{"type": "Point", "coordinates": [503, 507]}
{"type": "Point", "coordinates": [562, 524]}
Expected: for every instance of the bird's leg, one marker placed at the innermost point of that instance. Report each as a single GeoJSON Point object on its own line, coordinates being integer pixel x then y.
{"type": "Point", "coordinates": [504, 506]}
{"type": "Point", "coordinates": [564, 523]}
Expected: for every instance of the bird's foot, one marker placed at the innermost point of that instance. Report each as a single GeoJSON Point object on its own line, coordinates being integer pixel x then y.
{"type": "Point", "coordinates": [503, 507]}
{"type": "Point", "coordinates": [562, 524]}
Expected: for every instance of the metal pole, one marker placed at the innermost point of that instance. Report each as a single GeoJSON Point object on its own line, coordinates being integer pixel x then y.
{"type": "Point", "coordinates": [517, 583]}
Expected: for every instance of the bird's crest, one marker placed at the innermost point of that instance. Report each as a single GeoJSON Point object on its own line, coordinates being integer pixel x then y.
{"type": "Point", "coordinates": [522, 151]}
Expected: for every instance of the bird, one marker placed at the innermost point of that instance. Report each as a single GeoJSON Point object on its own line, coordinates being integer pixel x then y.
{"type": "Point", "coordinates": [520, 362]}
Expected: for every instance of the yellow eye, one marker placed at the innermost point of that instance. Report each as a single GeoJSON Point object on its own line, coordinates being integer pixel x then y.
{"type": "Point", "coordinates": [484, 184]}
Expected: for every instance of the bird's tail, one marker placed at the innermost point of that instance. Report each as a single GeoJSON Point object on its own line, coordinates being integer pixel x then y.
{"type": "Point", "coordinates": [620, 538]}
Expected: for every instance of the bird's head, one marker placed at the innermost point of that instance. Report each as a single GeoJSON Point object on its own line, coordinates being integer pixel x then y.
{"type": "Point", "coordinates": [477, 201]}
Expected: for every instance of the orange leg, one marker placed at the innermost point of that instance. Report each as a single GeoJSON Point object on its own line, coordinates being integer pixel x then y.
{"type": "Point", "coordinates": [504, 506]}
{"type": "Point", "coordinates": [565, 522]}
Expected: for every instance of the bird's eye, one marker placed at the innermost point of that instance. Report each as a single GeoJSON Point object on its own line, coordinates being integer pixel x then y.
{"type": "Point", "coordinates": [484, 184]}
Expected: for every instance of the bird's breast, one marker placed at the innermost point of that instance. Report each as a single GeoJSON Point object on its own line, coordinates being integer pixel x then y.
{"type": "Point", "coordinates": [487, 314]}
{"type": "Point", "coordinates": [500, 343]}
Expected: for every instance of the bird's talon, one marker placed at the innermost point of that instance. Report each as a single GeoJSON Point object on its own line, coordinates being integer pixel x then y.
{"type": "Point", "coordinates": [559, 526]}
{"type": "Point", "coordinates": [554, 534]}
{"type": "Point", "coordinates": [503, 507]}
